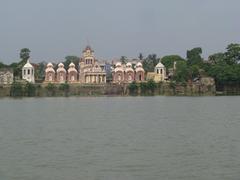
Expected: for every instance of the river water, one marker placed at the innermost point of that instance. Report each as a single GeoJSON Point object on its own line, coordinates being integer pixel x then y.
{"type": "Point", "coordinates": [120, 138]}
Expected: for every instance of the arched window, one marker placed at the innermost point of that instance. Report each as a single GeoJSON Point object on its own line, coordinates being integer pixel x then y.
{"type": "Point", "coordinates": [129, 77]}
{"type": "Point", "coordinates": [161, 71]}
{"type": "Point", "coordinates": [50, 77]}
{"type": "Point", "coordinates": [61, 77]}
{"type": "Point", "coordinates": [119, 77]}
{"type": "Point", "coordinates": [28, 71]}
{"type": "Point", "coordinates": [140, 77]}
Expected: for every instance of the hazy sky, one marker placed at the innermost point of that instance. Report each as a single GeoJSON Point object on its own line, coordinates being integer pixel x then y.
{"type": "Point", "coordinates": [52, 29]}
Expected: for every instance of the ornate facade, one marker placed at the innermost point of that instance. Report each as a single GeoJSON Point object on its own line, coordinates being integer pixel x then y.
{"type": "Point", "coordinates": [126, 74]}
{"type": "Point", "coordinates": [90, 70]}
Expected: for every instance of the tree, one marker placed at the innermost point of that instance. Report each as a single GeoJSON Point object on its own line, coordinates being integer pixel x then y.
{"type": "Point", "coordinates": [194, 56]}
{"type": "Point", "coordinates": [168, 61]}
{"type": "Point", "coordinates": [140, 56]}
{"type": "Point", "coordinates": [71, 59]}
{"type": "Point", "coordinates": [25, 54]}
{"type": "Point", "coordinates": [123, 59]}
{"type": "Point", "coordinates": [216, 58]}
{"type": "Point", "coordinates": [150, 62]}
{"type": "Point", "coordinates": [232, 54]}
{"type": "Point", "coordinates": [40, 71]}
{"type": "Point", "coordinates": [181, 74]}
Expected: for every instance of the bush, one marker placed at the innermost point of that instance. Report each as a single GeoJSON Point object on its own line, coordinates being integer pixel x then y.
{"type": "Point", "coordinates": [133, 88]}
{"type": "Point", "coordinates": [64, 87]}
{"type": "Point", "coordinates": [143, 87]}
{"type": "Point", "coordinates": [30, 90]}
{"type": "Point", "coordinates": [151, 85]}
{"type": "Point", "coordinates": [51, 88]}
{"type": "Point", "coordinates": [16, 90]}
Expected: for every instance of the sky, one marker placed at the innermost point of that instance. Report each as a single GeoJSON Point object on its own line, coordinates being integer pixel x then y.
{"type": "Point", "coordinates": [53, 29]}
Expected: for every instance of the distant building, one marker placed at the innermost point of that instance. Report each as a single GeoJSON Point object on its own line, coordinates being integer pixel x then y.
{"type": "Point", "coordinates": [49, 73]}
{"type": "Point", "coordinates": [126, 73]}
{"type": "Point", "coordinates": [159, 73]}
{"type": "Point", "coordinates": [72, 73]}
{"type": "Point", "coordinates": [90, 70]}
{"type": "Point", "coordinates": [6, 76]}
{"type": "Point", "coordinates": [28, 72]}
{"type": "Point", "coordinates": [61, 73]}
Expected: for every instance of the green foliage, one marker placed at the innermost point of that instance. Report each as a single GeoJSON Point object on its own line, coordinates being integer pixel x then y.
{"type": "Point", "coordinates": [71, 59]}
{"type": "Point", "coordinates": [168, 61]}
{"type": "Point", "coordinates": [232, 54]}
{"type": "Point", "coordinates": [151, 85]}
{"type": "Point", "coordinates": [133, 88]}
{"type": "Point", "coordinates": [194, 56]}
{"type": "Point", "coordinates": [16, 90]}
{"type": "Point", "coordinates": [150, 62]}
{"type": "Point", "coordinates": [181, 74]}
{"type": "Point", "coordinates": [172, 84]}
{"type": "Point", "coordinates": [143, 87]}
{"type": "Point", "coordinates": [30, 90]}
{"type": "Point", "coordinates": [123, 59]}
{"type": "Point", "coordinates": [194, 71]}
{"type": "Point", "coordinates": [225, 67]}
{"type": "Point", "coordinates": [217, 58]}
{"type": "Point", "coordinates": [51, 88]}
{"type": "Point", "coordinates": [25, 54]}
{"type": "Point", "coordinates": [140, 56]}
{"type": "Point", "coordinates": [2, 65]}
{"type": "Point", "coordinates": [64, 87]}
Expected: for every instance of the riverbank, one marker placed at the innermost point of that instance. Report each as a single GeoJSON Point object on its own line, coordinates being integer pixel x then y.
{"type": "Point", "coordinates": [133, 89]}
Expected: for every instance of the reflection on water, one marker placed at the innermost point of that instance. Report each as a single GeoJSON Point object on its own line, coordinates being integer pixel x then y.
{"type": "Point", "coordinates": [135, 138]}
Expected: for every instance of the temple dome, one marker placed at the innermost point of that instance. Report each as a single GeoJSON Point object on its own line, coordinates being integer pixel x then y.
{"type": "Point", "coordinates": [61, 67]}
{"type": "Point", "coordinates": [71, 65]}
{"type": "Point", "coordinates": [139, 64]}
{"type": "Point", "coordinates": [129, 64]}
{"type": "Point", "coordinates": [28, 65]}
{"type": "Point", "coordinates": [50, 68]}
{"type": "Point", "coordinates": [160, 65]}
{"type": "Point", "coordinates": [129, 67]}
{"type": "Point", "coordinates": [49, 65]}
{"type": "Point", "coordinates": [118, 64]}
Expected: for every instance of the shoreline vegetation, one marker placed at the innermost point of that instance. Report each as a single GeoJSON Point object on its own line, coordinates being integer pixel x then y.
{"type": "Point", "coordinates": [149, 88]}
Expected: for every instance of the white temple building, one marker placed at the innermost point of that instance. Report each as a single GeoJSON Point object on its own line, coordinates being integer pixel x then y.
{"type": "Point", "coordinates": [28, 72]}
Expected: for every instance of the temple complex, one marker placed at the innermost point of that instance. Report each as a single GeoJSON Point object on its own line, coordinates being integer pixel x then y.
{"type": "Point", "coordinates": [90, 72]}
{"type": "Point", "coordinates": [126, 73]}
